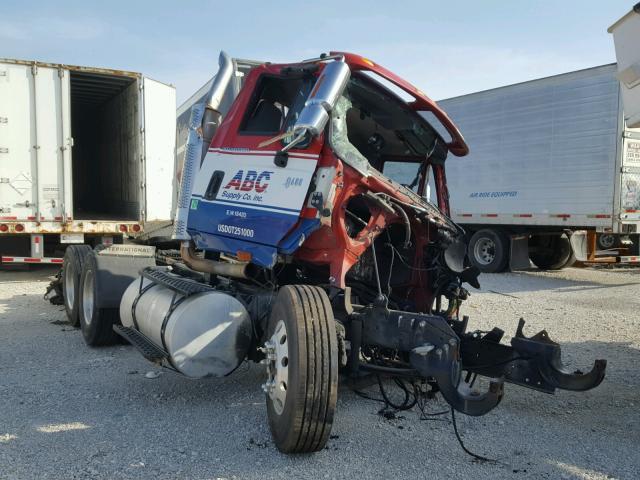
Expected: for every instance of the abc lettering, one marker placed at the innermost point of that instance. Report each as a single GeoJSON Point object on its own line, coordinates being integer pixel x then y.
{"type": "Point", "coordinates": [250, 181]}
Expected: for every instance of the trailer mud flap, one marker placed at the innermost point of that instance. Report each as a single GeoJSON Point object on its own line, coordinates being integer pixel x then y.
{"type": "Point", "coordinates": [519, 249]}
{"type": "Point", "coordinates": [579, 245]}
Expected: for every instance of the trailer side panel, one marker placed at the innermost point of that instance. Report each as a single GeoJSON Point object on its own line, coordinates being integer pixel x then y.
{"type": "Point", "coordinates": [542, 152]}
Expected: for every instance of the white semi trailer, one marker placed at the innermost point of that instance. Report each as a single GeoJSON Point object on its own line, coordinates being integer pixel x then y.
{"type": "Point", "coordinates": [86, 157]}
{"type": "Point", "coordinates": [548, 157]}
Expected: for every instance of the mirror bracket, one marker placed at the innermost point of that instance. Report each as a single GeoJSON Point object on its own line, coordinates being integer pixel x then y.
{"type": "Point", "coordinates": [281, 159]}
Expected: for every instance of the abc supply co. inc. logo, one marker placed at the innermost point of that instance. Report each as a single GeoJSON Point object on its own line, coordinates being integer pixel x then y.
{"type": "Point", "coordinates": [247, 186]}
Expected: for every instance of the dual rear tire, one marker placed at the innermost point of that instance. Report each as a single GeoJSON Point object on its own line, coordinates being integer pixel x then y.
{"type": "Point", "coordinates": [551, 252]}
{"type": "Point", "coordinates": [489, 251]}
{"type": "Point", "coordinates": [80, 291]}
{"type": "Point", "coordinates": [72, 264]}
{"type": "Point", "coordinates": [96, 322]}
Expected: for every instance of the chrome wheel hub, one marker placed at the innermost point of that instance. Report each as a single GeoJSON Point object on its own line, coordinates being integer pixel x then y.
{"type": "Point", "coordinates": [276, 351]}
{"type": "Point", "coordinates": [607, 241]}
{"type": "Point", "coordinates": [484, 251]}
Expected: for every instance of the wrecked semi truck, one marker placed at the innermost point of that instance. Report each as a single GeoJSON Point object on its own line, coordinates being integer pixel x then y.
{"type": "Point", "coordinates": [86, 158]}
{"type": "Point", "coordinates": [549, 157]}
{"type": "Point", "coordinates": [298, 252]}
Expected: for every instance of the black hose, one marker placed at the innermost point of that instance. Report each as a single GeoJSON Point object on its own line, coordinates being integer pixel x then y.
{"type": "Point", "coordinates": [407, 372]}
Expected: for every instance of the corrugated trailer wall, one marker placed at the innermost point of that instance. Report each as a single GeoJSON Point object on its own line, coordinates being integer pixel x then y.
{"type": "Point", "coordinates": [106, 156]}
{"type": "Point", "coordinates": [120, 154]}
{"type": "Point", "coordinates": [540, 150]}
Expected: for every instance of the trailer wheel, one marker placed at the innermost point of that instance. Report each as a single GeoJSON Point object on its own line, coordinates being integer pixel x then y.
{"type": "Point", "coordinates": [302, 365]}
{"type": "Point", "coordinates": [488, 250]}
{"type": "Point", "coordinates": [607, 241]}
{"type": "Point", "coordinates": [551, 252]}
{"type": "Point", "coordinates": [96, 323]}
{"type": "Point", "coordinates": [74, 258]}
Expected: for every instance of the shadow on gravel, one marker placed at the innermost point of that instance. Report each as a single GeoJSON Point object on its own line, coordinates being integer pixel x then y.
{"type": "Point", "coordinates": [522, 282]}
{"type": "Point", "coordinates": [21, 273]}
{"type": "Point", "coordinates": [29, 306]}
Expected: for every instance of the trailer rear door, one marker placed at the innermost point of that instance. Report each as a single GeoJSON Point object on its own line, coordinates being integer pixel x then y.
{"type": "Point", "coordinates": [49, 141]}
{"type": "Point", "coordinates": [159, 148]}
{"type": "Point", "coordinates": [33, 124]}
{"type": "Point", "coordinates": [630, 178]}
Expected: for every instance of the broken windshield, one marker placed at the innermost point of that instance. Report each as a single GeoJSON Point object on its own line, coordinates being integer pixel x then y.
{"type": "Point", "coordinates": [372, 128]}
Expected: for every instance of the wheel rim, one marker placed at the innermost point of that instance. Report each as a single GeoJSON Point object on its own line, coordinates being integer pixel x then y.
{"type": "Point", "coordinates": [87, 296]}
{"type": "Point", "coordinates": [484, 251]}
{"type": "Point", "coordinates": [607, 241]}
{"type": "Point", "coordinates": [276, 351]}
{"type": "Point", "coordinates": [69, 286]}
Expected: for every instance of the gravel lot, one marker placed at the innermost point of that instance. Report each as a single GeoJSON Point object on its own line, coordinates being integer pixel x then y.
{"type": "Point", "coordinates": [69, 411]}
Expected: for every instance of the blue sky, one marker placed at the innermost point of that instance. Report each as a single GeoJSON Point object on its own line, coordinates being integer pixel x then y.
{"type": "Point", "coordinates": [445, 48]}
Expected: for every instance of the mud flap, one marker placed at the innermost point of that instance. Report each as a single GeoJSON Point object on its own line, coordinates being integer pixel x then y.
{"type": "Point", "coordinates": [579, 245]}
{"type": "Point", "coordinates": [519, 252]}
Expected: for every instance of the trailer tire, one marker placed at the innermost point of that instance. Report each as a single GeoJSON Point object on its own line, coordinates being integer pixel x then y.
{"type": "Point", "coordinates": [74, 258]}
{"type": "Point", "coordinates": [96, 323]}
{"type": "Point", "coordinates": [557, 253]}
{"type": "Point", "coordinates": [302, 323]}
{"type": "Point", "coordinates": [607, 241]}
{"type": "Point", "coordinates": [488, 250]}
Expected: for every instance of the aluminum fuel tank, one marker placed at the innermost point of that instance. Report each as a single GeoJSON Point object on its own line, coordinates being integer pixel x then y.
{"type": "Point", "coordinates": [205, 334]}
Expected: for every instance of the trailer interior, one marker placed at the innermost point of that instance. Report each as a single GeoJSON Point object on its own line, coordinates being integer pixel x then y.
{"type": "Point", "coordinates": [106, 146]}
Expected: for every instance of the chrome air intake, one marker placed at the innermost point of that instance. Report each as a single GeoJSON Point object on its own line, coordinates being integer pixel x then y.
{"type": "Point", "coordinates": [191, 161]}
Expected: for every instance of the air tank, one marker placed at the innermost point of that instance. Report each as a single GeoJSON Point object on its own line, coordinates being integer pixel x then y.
{"type": "Point", "coordinates": [205, 334]}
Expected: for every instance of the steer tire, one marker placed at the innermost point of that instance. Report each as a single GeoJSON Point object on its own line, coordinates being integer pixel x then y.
{"type": "Point", "coordinates": [306, 415]}
{"type": "Point", "coordinates": [553, 252]}
{"type": "Point", "coordinates": [496, 258]}
{"type": "Point", "coordinates": [96, 323]}
{"type": "Point", "coordinates": [74, 258]}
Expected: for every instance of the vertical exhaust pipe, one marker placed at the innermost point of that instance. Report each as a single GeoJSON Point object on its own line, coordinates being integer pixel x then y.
{"type": "Point", "coordinates": [196, 148]}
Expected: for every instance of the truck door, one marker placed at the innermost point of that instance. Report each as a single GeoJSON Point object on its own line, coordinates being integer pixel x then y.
{"type": "Point", "coordinates": [159, 129]}
{"type": "Point", "coordinates": [242, 198]}
{"type": "Point", "coordinates": [32, 142]}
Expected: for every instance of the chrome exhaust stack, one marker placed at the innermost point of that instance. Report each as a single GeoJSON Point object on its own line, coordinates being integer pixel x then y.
{"type": "Point", "coordinates": [202, 125]}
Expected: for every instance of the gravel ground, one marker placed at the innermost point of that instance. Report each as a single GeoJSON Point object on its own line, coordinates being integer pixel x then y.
{"type": "Point", "coordinates": [70, 411]}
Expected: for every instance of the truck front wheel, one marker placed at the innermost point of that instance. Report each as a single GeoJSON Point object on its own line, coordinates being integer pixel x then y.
{"type": "Point", "coordinates": [489, 250]}
{"type": "Point", "coordinates": [551, 252]}
{"type": "Point", "coordinates": [74, 258]}
{"type": "Point", "coordinates": [302, 366]}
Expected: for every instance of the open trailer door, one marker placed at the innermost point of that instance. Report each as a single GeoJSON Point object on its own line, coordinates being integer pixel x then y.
{"type": "Point", "coordinates": [626, 36]}
{"type": "Point", "coordinates": [34, 142]}
{"type": "Point", "coordinates": [159, 148]}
